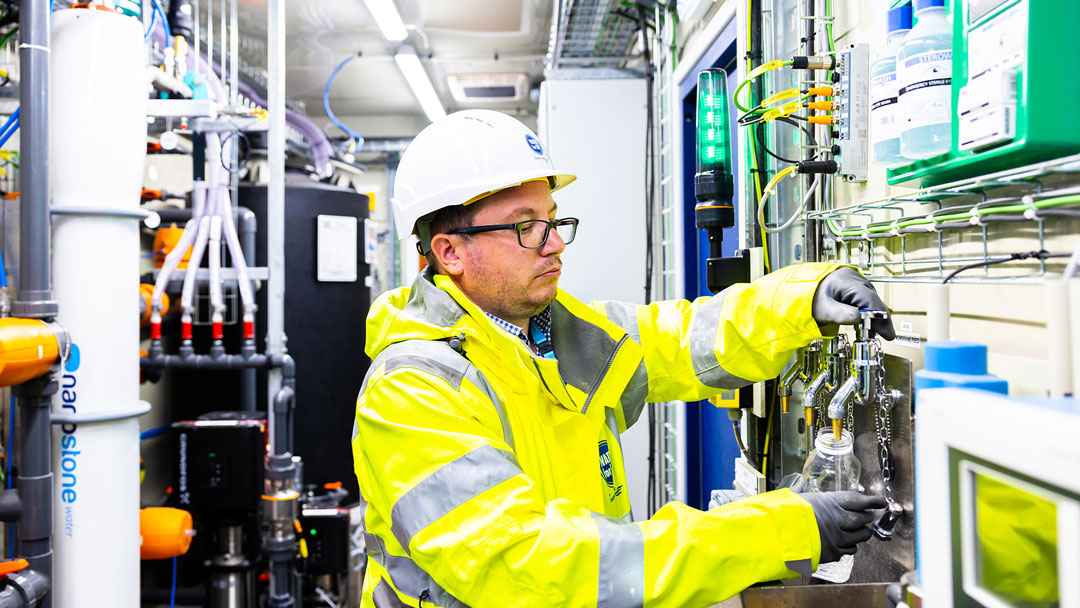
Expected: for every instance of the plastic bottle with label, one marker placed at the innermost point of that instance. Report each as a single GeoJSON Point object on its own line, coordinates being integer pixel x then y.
{"type": "Point", "coordinates": [924, 73]}
{"type": "Point", "coordinates": [885, 125]}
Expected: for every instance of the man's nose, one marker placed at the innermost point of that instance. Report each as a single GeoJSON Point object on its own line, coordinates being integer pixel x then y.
{"type": "Point", "coordinates": [554, 245]}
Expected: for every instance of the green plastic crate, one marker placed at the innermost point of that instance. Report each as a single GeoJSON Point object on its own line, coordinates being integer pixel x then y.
{"type": "Point", "coordinates": [1046, 89]}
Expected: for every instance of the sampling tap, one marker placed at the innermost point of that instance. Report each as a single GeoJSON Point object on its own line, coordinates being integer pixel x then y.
{"type": "Point", "coordinates": [830, 370]}
{"type": "Point", "coordinates": [800, 369]}
{"type": "Point", "coordinates": [861, 385]}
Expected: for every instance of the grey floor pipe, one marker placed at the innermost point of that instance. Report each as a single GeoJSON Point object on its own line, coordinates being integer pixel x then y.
{"type": "Point", "coordinates": [35, 300]}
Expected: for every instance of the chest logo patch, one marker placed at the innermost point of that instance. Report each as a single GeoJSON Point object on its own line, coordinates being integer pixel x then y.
{"type": "Point", "coordinates": [605, 464]}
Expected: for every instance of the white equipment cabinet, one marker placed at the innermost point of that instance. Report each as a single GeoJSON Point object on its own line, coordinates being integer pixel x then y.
{"type": "Point", "coordinates": [596, 128]}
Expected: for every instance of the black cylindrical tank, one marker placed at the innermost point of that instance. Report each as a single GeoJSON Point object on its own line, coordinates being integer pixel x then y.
{"type": "Point", "coordinates": [324, 321]}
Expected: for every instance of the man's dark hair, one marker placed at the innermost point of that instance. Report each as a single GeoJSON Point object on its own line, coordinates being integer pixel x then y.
{"type": "Point", "coordinates": [447, 219]}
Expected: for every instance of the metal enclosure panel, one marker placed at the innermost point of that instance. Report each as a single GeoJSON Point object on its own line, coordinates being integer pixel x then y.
{"type": "Point", "coordinates": [606, 261]}
{"type": "Point", "coordinates": [876, 561]}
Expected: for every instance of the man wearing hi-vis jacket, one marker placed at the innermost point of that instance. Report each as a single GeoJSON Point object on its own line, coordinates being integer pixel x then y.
{"type": "Point", "coordinates": [487, 430]}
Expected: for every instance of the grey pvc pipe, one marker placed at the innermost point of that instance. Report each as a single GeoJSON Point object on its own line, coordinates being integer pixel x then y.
{"type": "Point", "coordinates": [34, 398]}
{"type": "Point", "coordinates": [246, 228]}
{"type": "Point", "coordinates": [35, 276]}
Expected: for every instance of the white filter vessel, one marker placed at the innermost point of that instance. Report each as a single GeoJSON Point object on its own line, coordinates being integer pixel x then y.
{"type": "Point", "coordinates": [97, 146]}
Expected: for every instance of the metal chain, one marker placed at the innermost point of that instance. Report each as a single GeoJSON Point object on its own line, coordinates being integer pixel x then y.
{"type": "Point", "coordinates": [883, 422]}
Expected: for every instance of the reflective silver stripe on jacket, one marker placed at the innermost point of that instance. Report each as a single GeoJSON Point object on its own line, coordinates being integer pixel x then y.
{"type": "Point", "coordinates": [622, 564]}
{"type": "Point", "coordinates": [407, 577]}
{"type": "Point", "coordinates": [624, 314]}
{"type": "Point", "coordinates": [438, 359]}
{"type": "Point", "coordinates": [448, 488]}
{"type": "Point", "coordinates": [703, 330]}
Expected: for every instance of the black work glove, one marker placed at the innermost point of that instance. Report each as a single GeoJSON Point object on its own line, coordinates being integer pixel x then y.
{"type": "Point", "coordinates": [840, 296]}
{"type": "Point", "coordinates": [843, 519]}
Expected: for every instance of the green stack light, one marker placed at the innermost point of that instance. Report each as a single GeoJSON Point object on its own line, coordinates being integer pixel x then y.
{"type": "Point", "coordinates": [713, 136]}
{"type": "Point", "coordinates": [714, 185]}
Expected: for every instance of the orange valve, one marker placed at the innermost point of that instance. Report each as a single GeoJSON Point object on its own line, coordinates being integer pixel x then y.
{"type": "Point", "coordinates": [166, 532]}
{"type": "Point", "coordinates": [146, 292]}
{"type": "Point", "coordinates": [165, 240]}
{"type": "Point", "coordinates": [28, 348]}
{"type": "Point", "coordinates": [333, 485]}
{"type": "Point", "coordinates": [820, 119]}
{"type": "Point", "coordinates": [820, 105]}
{"type": "Point", "coordinates": [7, 568]}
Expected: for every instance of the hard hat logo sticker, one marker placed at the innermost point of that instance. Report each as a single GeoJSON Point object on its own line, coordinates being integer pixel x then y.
{"type": "Point", "coordinates": [534, 144]}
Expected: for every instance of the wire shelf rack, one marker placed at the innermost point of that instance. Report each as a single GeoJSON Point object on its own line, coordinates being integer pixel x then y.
{"type": "Point", "coordinates": [593, 32]}
{"type": "Point", "coordinates": [964, 222]}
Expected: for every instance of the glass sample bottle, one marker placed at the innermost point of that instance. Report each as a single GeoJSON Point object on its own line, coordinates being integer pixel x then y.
{"type": "Point", "coordinates": [832, 466]}
{"type": "Point", "coordinates": [884, 91]}
{"type": "Point", "coordinates": [924, 73]}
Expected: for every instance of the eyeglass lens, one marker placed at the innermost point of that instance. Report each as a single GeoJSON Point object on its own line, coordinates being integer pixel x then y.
{"type": "Point", "coordinates": [534, 233]}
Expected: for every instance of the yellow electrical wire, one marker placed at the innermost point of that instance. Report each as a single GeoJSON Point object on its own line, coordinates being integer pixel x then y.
{"type": "Point", "coordinates": [750, 141]}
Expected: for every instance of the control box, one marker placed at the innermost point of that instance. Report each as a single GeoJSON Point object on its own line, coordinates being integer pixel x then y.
{"type": "Point", "coordinates": [851, 111]}
{"type": "Point", "coordinates": [1010, 89]}
{"type": "Point", "coordinates": [219, 464]}
{"type": "Point", "coordinates": [326, 533]}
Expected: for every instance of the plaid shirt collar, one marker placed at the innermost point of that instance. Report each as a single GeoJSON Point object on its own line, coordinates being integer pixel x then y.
{"type": "Point", "coordinates": [542, 320]}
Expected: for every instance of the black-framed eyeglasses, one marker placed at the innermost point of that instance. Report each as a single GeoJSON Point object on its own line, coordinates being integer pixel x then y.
{"type": "Point", "coordinates": [532, 234]}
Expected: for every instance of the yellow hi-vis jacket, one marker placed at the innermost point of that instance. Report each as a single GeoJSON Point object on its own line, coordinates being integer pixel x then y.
{"type": "Point", "coordinates": [493, 477]}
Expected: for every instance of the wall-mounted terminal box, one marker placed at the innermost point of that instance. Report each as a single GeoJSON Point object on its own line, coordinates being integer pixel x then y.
{"type": "Point", "coordinates": [1011, 89]}
{"type": "Point", "coordinates": [851, 111]}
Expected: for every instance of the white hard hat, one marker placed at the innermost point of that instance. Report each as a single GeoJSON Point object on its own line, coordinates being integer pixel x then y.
{"type": "Point", "coordinates": [462, 158]}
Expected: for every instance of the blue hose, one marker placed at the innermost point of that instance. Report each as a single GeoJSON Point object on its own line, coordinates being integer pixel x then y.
{"type": "Point", "coordinates": [150, 30]}
{"type": "Point", "coordinates": [161, 430]}
{"type": "Point", "coordinates": [3, 270]}
{"type": "Point", "coordinates": [6, 136]}
{"type": "Point", "coordinates": [172, 593]}
{"type": "Point", "coordinates": [330, 113]}
{"type": "Point", "coordinates": [11, 119]}
{"type": "Point", "coordinates": [164, 22]}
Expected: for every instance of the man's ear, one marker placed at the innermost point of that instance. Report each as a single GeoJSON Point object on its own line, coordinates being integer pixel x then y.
{"type": "Point", "coordinates": [446, 250]}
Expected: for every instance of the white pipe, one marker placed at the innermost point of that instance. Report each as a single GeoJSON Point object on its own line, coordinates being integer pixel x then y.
{"type": "Point", "coordinates": [217, 300]}
{"type": "Point", "coordinates": [1058, 350]}
{"type": "Point", "coordinates": [188, 294]}
{"type": "Point", "coordinates": [98, 63]}
{"type": "Point", "coordinates": [937, 312]}
{"type": "Point", "coordinates": [1074, 298]}
{"type": "Point", "coordinates": [247, 295]}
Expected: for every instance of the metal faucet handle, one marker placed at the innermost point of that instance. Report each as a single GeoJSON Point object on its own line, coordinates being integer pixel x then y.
{"type": "Point", "coordinates": [867, 317]}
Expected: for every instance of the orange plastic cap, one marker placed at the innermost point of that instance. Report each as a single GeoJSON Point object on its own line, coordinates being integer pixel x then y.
{"type": "Point", "coordinates": [166, 532]}
{"type": "Point", "coordinates": [28, 348]}
{"type": "Point", "coordinates": [333, 485]}
{"type": "Point", "coordinates": [165, 240]}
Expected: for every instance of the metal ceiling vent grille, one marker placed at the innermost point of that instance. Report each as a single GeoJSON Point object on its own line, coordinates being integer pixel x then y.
{"type": "Point", "coordinates": [592, 32]}
{"type": "Point", "coordinates": [488, 87]}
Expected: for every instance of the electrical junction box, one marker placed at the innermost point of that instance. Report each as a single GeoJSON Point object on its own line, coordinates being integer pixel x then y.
{"type": "Point", "coordinates": [851, 111]}
{"type": "Point", "coordinates": [326, 532]}
{"type": "Point", "coordinates": [1011, 89]}
{"type": "Point", "coordinates": [219, 464]}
